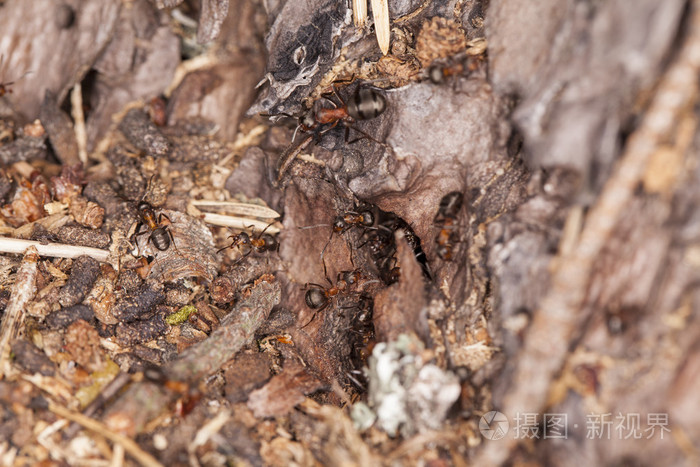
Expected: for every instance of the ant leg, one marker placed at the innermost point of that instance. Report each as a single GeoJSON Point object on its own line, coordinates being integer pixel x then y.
{"type": "Point", "coordinates": [136, 231]}
{"type": "Point", "coordinates": [315, 313]}
{"type": "Point", "coordinates": [364, 135]}
{"type": "Point", "coordinates": [228, 246]}
{"type": "Point", "coordinates": [242, 257]}
{"type": "Point", "coordinates": [136, 234]}
{"type": "Point", "coordinates": [352, 262]}
{"type": "Point", "coordinates": [323, 260]}
{"type": "Point", "coordinates": [172, 239]}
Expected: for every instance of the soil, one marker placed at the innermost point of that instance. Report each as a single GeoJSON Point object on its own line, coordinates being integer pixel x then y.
{"type": "Point", "coordinates": [235, 232]}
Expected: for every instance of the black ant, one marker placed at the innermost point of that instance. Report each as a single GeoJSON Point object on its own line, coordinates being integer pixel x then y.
{"type": "Point", "coordinates": [365, 104]}
{"type": "Point", "coordinates": [382, 246]}
{"type": "Point", "coordinates": [450, 204]}
{"type": "Point", "coordinates": [261, 242]}
{"type": "Point", "coordinates": [363, 327]}
{"type": "Point", "coordinates": [318, 297]}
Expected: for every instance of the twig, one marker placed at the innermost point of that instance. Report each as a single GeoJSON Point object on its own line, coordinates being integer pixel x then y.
{"type": "Point", "coordinates": [237, 329]}
{"type": "Point", "coordinates": [76, 100]}
{"type": "Point", "coordinates": [141, 456]}
{"type": "Point", "coordinates": [58, 250]}
{"type": "Point", "coordinates": [107, 392]}
{"type": "Point", "coordinates": [142, 402]}
{"type": "Point", "coordinates": [23, 291]}
{"type": "Point", "coordinates": [205, 433]}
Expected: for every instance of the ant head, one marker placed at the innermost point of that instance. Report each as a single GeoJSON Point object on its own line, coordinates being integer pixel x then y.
{"type": "Point", "coordinates": [367, 218]}
{"type": "Point", "coordinates": [315, 298]}
{"type": "Point", "coordinates": [143, 206]}
{"type": "Point", "coordinates": [350, 277]}
{"type": "Point", "coordinates": [365, 104]}
{"type": "Point", "coordinates": [444, 252]}
{"type": "Point", "coordinates": [243, 238]}
{"type": "Point", "coordinates": [339, 224]}
{"type": "Point", "coordinates": [308, 119]}
{"type": "Point", "coordinates": [436, 75]}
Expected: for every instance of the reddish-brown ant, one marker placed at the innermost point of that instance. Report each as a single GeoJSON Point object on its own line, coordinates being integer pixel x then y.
{"type": "Point", "coordinates": [346, 221]}
{"type": "Point", "coordinates": [160, 235]}
{"type": "Point", "coordinates": [5, 86]}
{"type": "Point", "coordinates": [318, 297]}
{"type": "Point", "coordinates": [460, 64]}
{"type": "Point", "coordinates": [450, 204]}
{"type": "Point", "coordinates": [365, 104]}
{"type": "Point", "coordinates": [350, 219]}
{"type": "Point", "coordinates": [260, 243]}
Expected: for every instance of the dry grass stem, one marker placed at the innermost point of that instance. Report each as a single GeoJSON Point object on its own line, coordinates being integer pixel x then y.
{"type": "Point", "coordinates": [128, 444]}
{"type": "Point", "coordinates": [380, 13]}
{"type": "Point", "coordinates": [242, 223]}
{"type": "Point", "coordinates": [58, 250]}
{"type": "Point", "coordinates": [244, 209]}
{"type": "Point", "coordinates": [359, 13]}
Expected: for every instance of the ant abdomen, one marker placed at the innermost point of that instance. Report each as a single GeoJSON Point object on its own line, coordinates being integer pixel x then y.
{"type": "Point", "coordinates": [160, 238]}
{"type": "Point", "coordinates": [366, 104]}
{"type": "Point", "coordinates": [315, 298]}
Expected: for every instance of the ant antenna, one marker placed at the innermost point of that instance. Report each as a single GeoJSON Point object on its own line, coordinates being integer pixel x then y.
{"type": "Point", "coordinates": [323, 260]}
{"type": "Point", "coordinates": [313, 226]}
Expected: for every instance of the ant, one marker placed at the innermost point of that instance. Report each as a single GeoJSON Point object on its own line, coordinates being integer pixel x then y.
{"type": "Point", "coordinates": [438, 73]}
{"type": "Point", "coordinates": [365, 104]}
{"type": "Point", "coordinates": [362, 338]}
{"type": "Point", "coordinates": [450, 204]}
{"type": "Point", "coordinates": [160, 235]}
{"type": "Point", "coordinates": [350, 219]}
{"type": "Point", "coordinates": [261, 243]}
{"type": "Point", "coordinates": [346, 221]}
{"type": "Point", "coordinates": [5, 86]}
{"type": "Point", "coordinates": [318, 297]}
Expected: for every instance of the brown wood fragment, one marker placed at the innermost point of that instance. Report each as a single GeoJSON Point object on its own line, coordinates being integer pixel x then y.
{"type": "Point", "coordinates": [28, 357]}
{"type": "Point", "coordinates": [77, 235]}
{"type": "Point", "coordinates": [398, 308]}
{"type": "Point", "coordinates": [22, 293]}
{"type": "Point", "coordinates": [560, 317]}
{"type": "Point", "coordinates": [225, 287]}
{"type": "Point", "coordinates": [138, 304]}
{"type": "Point", "coordinates": [284, 391]}
{"type": "Point", "coordinates": [59, 127]}
{"type": "Point", "coordinates": [236, 330]}
{"type": "Point", "coordinates": [83, 275]}
{"type": "Point", "coordinates": [143, 133]}
{"type": "Point", "coordinates": [247, 372]}
{"type": "Point", "coordinates": [211, 18]}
